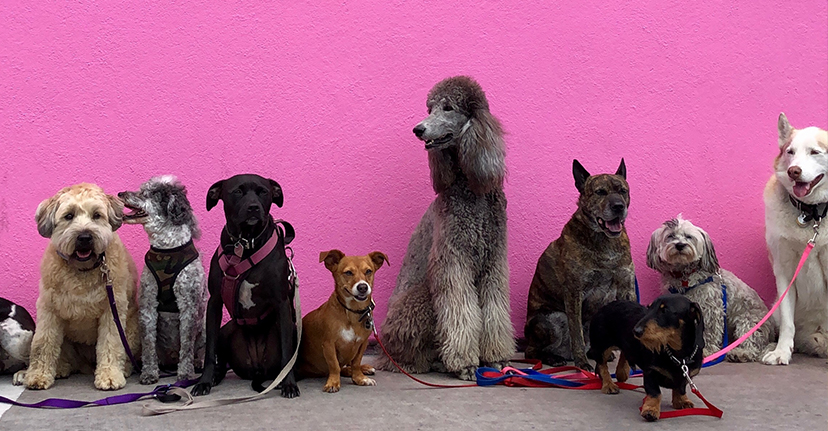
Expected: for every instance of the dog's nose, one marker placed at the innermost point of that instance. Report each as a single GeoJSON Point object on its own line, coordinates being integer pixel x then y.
{"type": "Point", "coordinates": [617, 208]}
{"type": "Point", "coordinates": [638, 331]}
{"type": "Point", "coordinates": [85, 238]}
{"type": "Point", "coordinates": [362, 287]}
{"type": "Point", "coordinates": [121, 194]}
{"type": "Point", "coordinates": [253, 208]}
{"type": "Point", "coordinates": [794, 172]}
{"type": "Point", "coordinates": [419, 130]}
{"type": "Point", "coordinates": [680, 246]}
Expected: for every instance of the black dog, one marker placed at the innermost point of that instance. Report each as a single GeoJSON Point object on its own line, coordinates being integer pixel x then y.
{"type": "Point", "coordinates": [260, 339]}
{"type": "Point", "coordinates": [659, 340]}
{"type": "Point", "coordinates": [16, 330]}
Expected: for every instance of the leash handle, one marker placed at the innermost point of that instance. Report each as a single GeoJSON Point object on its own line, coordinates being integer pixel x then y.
{"type": "Point", "coordinates": [808, 248]}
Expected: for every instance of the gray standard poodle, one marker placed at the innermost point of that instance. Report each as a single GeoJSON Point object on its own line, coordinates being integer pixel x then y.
{"type": "Point", "coordinates": [686, 259]}
{"type": "Point", "coordinates": [450, 308]}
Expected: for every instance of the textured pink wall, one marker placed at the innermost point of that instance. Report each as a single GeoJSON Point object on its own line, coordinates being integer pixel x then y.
{"type": "Point", "coordinates": [322, 97]}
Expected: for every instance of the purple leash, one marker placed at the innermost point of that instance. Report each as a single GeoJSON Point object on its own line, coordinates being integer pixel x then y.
{"type": "Point", "coordinates": [160, 392]}
{"type": "Point", "coordinates": [111, 295]}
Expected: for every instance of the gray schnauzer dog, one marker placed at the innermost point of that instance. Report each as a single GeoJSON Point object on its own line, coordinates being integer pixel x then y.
{"type": "Point", "coordinates": [686, 259]}
{"type": "Point", "coordinates": [450, 308]}
{"type": "Point", "coordinates": [172, 284]}
{"type": "Point", "coordinates": [587, 267]}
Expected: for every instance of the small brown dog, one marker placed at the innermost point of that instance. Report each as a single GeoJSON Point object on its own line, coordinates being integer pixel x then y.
{"type": "Point", "coordinates": [335, 335]}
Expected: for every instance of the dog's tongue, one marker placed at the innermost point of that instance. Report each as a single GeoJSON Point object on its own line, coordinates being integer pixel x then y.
{"type": "Point", "coordinates": [801, 189]}
{"type": "Point", "coordinates": [614, 225]}
{"type": "Point", "coordinates": [84, 254]}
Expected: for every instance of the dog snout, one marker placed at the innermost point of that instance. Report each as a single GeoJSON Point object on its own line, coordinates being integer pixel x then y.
{"type": "Point", "coordinates": [794, 172]}
{"type": "Point", "coordinates": [419, 130]}
{"type": "Point", "coordinates": [362, 288]}
{"type": "Point", "coordinates": [254, 208]}
{"type": "Point", "coordinates": [84, 239]}
{"type": "Point", "coordinates": [122, 195]}
{"type": "Point", "coordinates": [680, 246]}
{"type": "Point", "coordinates": [617, 208]}
{"type": "Point", "coordinates": [638, 331]}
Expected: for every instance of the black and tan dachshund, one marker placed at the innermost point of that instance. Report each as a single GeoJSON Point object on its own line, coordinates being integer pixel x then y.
{"type": "Point", "coordinates": [658, 339]}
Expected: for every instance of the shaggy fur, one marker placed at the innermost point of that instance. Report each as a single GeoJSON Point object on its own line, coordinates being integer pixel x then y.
{"type": "Point", "coordinates": [16, 330]}
{"type": "Point", "coordinates": [800, 170]}
{"type": "Point", "coordinates": [586, 268]}
{"type": "Point", "coordinates": [176, 340]}
{"type": "Point", "coordinates": [450, 308]}
{"type": "Point", "coordinates": [685, 257]}
{"type": "Point", "coordinates": [75, 328]}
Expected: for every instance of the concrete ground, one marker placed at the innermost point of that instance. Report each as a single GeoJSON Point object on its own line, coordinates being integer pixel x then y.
{"type": "Point", "coordinates": [753, 396]}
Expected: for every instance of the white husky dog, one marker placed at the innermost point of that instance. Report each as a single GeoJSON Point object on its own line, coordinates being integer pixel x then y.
{"type": "Point", "coordinates": [796, 197]}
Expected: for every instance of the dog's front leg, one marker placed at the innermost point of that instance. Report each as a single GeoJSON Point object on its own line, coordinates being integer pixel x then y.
{"type": "Point", "coordinates": [497, 338]}
{"type": "Point", "coordinates": [289, 343]}
{"type": "Point", "coordinates": [458, 313]}
{"type": "Point", "coordinates": [785, 346]}
{"type": "Point", "coordinates": [329, 352]}
{"type": "Point", "coordinates": [573, 304]}
{"type": "Point", "coordinates": [48, 338]}
{"type": "Point", "coordinates": [205, 383]}
{"type": "Point", "coordinates": [357, 370]}
{"type": "Point", "coordinates": [148, 317]}
{"type": "Point", "coordinates": [109, 350]}
{"type": "Point", "coordinates": [187, 315]}
{"type": "Point", "coordinates": [651, 410]}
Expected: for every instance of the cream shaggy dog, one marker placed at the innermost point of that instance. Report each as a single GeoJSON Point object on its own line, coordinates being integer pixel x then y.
{"type": "Point", "coordinates": [686, 259]}
{"type": "Point", "coordinates": [795, 197]}
{"type": "Point", "coordinates": [75, 328]}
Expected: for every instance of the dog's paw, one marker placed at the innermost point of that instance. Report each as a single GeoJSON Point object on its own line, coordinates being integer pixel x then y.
{"type": "Point", "coordinates": [290, 390]}
{"type": "Point", "coordinates": [777, 357]}
{"type": "Point", "coordinates": [108, 379]}
{"type": "Point", "coordinates": [467, 374]}
{"type": "Point", "coordinates": [498, 365]}
{"type": "Point", "coordinates": [610, 388]}
{"type": "Point", "coordinates": [19, 378]}
{"type": "Point", "coordinates": [36, 380]}
{"type": "Point", "coordinates": [365, 381]}
{"type": "Point", "coordinates": [682, 402]}
{"type": "Point", "coordinates": [740, 355]}
{"type": "Point", "coordinates": [148, 378]}
{"type": "Point", "coordinates": [584, 365]}
{"type": "Point", "coordinates": [368, 370]}
{"type": "Point", "coordinates": [201, 388]}
{"type": "Point", "coordinates": [331, 386]}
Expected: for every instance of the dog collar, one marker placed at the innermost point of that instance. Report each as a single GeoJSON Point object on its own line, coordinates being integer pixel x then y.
{"type": "Point", "coordinates": [95, 266]}
{"type": "Point", "coordinates": [366, 314]}
{"type": "Point", "coordinates": [240, 243]}
{"type": "Point", "coordinates": [808, 212]}
{"type": "Point", "coordinates": [685, 284]}
{"type": "Point", "coordinates": [683, 363]}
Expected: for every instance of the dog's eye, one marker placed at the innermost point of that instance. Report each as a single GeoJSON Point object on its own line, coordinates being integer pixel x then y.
{"type": "Point", "coordinates": [601, 192]}
{"type": "Point", "coordinates": [96, 216]}
{"type": "Point", "coordinates": [671, 236]}
{"type": "Point", "coordinates": [237, 192]}
{"type": "Point", "coordinates": [349, 273]}
{"type": "Point", "coordinates": [448, 108]}
{"type": "Point", "coordinates": [262, 192]}
{"type": "Point", "coordinates": [622, 191]}
{"type": "Point", "coordinates": [69, 217]}
{"type": "Point", "coordinates": [815, 152]}
{"type": "Point", "coordinates": [368, 272]}
{"type": "Point", "coordinates": [790, 151]}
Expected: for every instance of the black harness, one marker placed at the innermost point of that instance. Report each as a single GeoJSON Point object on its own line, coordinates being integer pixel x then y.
{"type": "Point", "coordinates": [165, 265]}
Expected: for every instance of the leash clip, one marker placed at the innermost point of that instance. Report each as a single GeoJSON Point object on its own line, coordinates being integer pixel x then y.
{"type": "Point", "coordinates": [105, 271]}
{"type": "Point", "coordinates": [816, 231]}
{"type": "Point", "coordinates": [686, 371]}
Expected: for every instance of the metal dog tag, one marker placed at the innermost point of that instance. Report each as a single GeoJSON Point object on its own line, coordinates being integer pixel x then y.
{"type": "Point", "coordinates": [238, 250]}
{"type": "Point", "coordinates": [801, 220]}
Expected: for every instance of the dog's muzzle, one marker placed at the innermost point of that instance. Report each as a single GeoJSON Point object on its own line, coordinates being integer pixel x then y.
{"type": "Point", "coordinates": [361, 290]}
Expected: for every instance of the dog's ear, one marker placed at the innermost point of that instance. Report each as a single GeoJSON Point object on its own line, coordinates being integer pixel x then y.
{"type": "Point", "coordinates": [580, 175]}
{"type": "Point", "coordinates": [482, 150]}
{"type": "Point", "coordinates": [785, 130]}
{"type": "Point", "coordinates": [708, 262]}
{"type": "Point", "coordinates": [653, 259]}
{"type": "Point", "coordinates": [214, 194]}
{"type": "Point", "coordinates": [45, 216]}
{"type": "Point", "coordinates": [698, 320]}
{"type": "Point", "coordinates": [331, 258]}
{"type": "Point", "coordinates": [178, 208]}
{"type": "Point", "coordinates": [622, 170]}
{"type": "Point", "coordinates": [115, 212]}
{"type": "Point", "coordinates": [276, 191]}
{"type": "Point", "coordinates": [378, 258]}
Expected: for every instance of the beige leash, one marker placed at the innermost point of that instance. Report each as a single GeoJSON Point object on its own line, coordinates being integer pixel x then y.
{"type": "Point", "coordinates": [151, 409]}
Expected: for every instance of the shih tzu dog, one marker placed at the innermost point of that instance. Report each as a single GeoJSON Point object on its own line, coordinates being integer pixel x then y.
{"type": "Point", "coordinates": [686, 259]}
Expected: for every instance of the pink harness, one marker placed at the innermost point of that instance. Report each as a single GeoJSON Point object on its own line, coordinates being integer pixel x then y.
{"type": "Point", "coordinates": [235, 268]}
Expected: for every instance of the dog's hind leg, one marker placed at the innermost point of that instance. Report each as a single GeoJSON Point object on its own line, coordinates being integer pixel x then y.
{"type": "Point", "coordinates": [601, 368]}
{"type": "Point", "coordinates": [497, 341]}
{"type": "Point", "coordinates": [548, 338]}
{"type": "Point", "coordinates": [622, 369]}
{"type": "Point", "coordinates": [408, 332]}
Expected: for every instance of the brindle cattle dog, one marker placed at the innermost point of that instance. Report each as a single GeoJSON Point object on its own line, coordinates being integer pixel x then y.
{"type": "Point", "coordinates": [586, 268]}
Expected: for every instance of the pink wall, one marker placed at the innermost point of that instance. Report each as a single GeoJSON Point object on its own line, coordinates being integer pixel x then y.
{"type": "Point", "coordinates": [322, 97]}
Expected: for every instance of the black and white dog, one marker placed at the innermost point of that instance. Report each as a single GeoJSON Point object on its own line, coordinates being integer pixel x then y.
{"type": "Point", "coordinates": [16, 330]}
{"type": "Point", "coordinates": [249, 275]}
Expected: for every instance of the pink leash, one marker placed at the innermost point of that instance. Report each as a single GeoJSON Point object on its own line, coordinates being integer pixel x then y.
{"type": "Point", "coordinates": [741, 339]}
